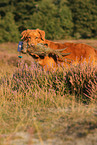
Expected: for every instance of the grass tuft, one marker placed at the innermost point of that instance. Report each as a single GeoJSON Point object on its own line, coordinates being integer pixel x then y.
{"type": "Point", "coordinates": [80, 81]}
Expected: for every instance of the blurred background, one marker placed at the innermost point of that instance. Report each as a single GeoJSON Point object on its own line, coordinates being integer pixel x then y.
{"type": "Point", "coordinates": [60, 19]}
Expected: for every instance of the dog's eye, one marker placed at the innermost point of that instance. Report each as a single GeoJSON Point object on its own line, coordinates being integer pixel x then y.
{"type": "Point", "coordinates": [36, 38]}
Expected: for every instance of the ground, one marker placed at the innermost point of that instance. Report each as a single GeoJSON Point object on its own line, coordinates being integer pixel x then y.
{"type": "Point", "coordinates": [62, 122]}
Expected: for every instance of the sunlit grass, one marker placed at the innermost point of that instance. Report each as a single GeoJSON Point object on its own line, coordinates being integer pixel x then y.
{"type": "Point", "coordinates": [46, 105]}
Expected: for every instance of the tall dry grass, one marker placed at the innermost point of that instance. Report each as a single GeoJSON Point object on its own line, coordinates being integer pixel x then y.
{"type": "Point", "coordinates": [80, 81]}
{"type": "Point", "coordinates": [45, 105]}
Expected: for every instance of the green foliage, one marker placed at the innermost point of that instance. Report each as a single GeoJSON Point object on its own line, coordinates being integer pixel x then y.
{"type": "Point", "coordinates": [55, 20]}
{"type": "Point", "coordinates": [5, 6]}
{"type": "Point", "coordinates": [60, 19]}
{"type": "Point", "coordinates": [8, 29]}
{"type": "Point", "coordinates": [84, 18]}
{"type": "Point", "coordinates": [23, 12]}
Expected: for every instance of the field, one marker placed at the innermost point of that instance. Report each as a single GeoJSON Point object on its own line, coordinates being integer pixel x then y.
{"type": "Point", "coordinates": [39, 108]}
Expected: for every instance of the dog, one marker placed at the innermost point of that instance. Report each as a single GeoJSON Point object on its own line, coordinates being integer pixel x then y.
{"type": "Point", "coordinates": [77, 52]}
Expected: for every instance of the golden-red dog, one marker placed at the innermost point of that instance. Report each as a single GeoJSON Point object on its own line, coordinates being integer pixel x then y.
{"type": "Point", "coordinates": [78, 52]}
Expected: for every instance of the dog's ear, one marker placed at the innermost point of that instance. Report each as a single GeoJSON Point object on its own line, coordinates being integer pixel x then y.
{"type": "Point", "coordinates": [23, 34]}
{"type": "Point", "coordinates": [42, 34]}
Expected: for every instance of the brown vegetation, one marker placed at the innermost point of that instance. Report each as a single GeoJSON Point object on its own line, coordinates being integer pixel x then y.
{"type": "Point", "coordinates": [37, 108]}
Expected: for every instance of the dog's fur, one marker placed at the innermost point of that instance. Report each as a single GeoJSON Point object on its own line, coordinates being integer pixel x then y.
{"type": "Point", "coordinates": [78, 52]}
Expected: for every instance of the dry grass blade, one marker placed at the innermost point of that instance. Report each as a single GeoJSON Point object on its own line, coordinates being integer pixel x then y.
{"type": "Point", "coordinates": [61, 49]}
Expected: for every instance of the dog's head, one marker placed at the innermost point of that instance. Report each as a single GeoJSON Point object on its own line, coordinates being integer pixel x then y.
{"type": "Point", "coordinates": [33, 37]}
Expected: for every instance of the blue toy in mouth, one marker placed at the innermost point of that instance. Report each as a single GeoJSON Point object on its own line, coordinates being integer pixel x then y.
{"type": "Point", "coordinates": [20, 46]}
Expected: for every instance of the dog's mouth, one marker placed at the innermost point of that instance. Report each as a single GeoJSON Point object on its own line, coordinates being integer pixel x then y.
{"type": "Point", "coordinates": [35, 56]}
{"type": "Point", "coordinates": [25, 48]}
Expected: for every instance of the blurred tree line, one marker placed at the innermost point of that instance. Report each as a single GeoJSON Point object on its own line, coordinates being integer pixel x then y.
{"type": "Point", "coordinates": [60, 19]}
